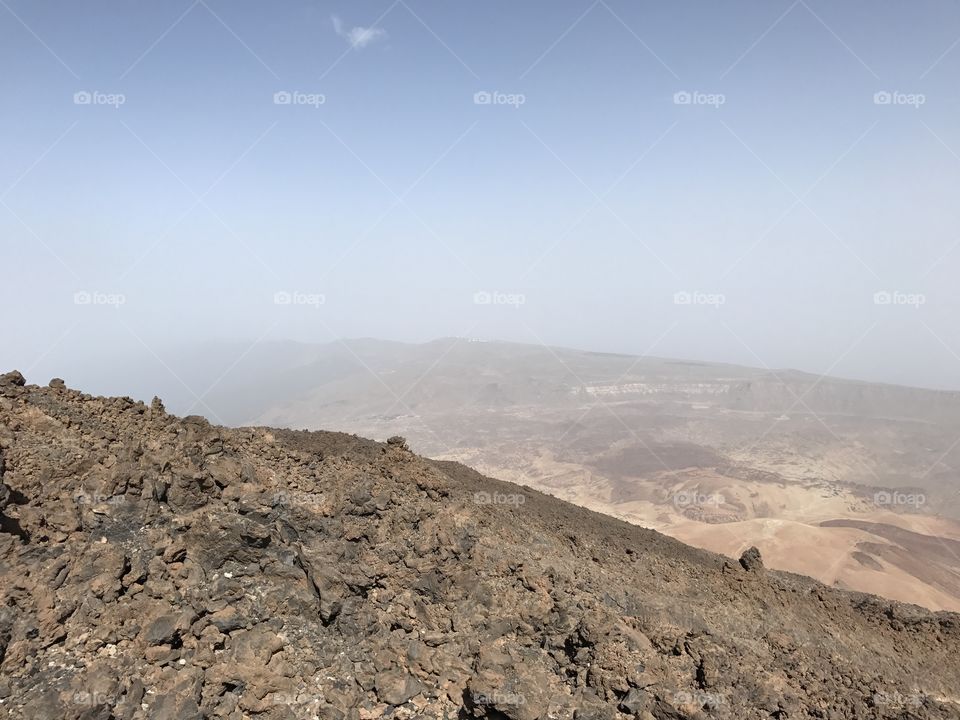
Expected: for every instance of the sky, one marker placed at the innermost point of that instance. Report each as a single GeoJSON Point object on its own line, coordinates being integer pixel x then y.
{"type": "Point", "coordinates": [768, 183]}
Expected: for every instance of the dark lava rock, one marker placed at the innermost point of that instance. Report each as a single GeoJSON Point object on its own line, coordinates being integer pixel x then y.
{"type": "Point", "coordinates": [396, 687]}
{"type": "Point", "coordinates": [635, 701]}
{"type": "Point", "coordinates": [13, 378]}
{"type": "Point", "coordinates": [751, 560]}
{"type": "Point", "coordinates": [398, 441]}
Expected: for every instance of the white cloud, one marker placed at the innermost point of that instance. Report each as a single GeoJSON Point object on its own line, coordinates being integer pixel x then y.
{"type": "Point", "coordinates": [358, 37]}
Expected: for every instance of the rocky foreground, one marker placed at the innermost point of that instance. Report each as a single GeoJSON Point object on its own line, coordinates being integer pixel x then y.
{"type": "Point", "coordinates": [159, 567]}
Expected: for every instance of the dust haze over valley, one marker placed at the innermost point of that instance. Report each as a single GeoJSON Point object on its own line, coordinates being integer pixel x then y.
{"type": "Point", "coordinates": [853, 483]}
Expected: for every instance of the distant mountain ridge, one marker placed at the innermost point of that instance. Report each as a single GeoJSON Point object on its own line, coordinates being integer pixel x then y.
{"type": "Point", "coordinates": [272, 373]}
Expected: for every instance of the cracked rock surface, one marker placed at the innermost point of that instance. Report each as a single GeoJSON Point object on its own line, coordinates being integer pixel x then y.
{"type": "Point", "coordinates": [156, 567]}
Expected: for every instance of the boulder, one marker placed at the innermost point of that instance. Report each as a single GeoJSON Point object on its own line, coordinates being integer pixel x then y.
{"type": "Point", "coordinates": [13, 378]}
{"type": "Point", "coordinates": [750, 560]}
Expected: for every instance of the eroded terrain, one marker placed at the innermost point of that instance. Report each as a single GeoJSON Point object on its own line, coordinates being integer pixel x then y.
{"type": "Point", "coordinates": [808, 469]}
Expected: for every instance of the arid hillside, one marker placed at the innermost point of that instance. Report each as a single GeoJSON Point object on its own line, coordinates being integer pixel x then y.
{"type": "Point", "coordinates": [855, 484]}
{"type": "Point", "coordinates": [165, 568]}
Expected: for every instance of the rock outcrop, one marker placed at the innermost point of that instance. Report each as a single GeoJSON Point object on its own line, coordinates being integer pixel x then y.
{"type": "Point", "coordinates": [751, 560]}
{"type": "Point", "coordinates": [164, 568]}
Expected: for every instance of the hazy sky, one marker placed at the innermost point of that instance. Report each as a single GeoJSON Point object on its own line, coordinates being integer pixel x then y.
{"type": "Point", "coordinates": [724, 181]}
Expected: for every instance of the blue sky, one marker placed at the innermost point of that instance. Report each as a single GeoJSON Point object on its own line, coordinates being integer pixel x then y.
{"type": "Point", "coordinates": [815, 165]}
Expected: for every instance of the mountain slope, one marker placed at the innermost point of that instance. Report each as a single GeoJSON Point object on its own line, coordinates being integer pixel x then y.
{"type": "Point", "coordinates": [718, 456]}
{"type": "Point", "coordinates": [161, 567]}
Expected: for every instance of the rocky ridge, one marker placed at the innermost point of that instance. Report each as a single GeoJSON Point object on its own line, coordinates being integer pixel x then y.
{"type": "Point", "coordinates": [160, 567]}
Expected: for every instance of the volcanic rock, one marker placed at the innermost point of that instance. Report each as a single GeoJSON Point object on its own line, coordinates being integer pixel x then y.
{"type": "Point", "coordinates": [751, 560]}
{"type": "Point", "coordinates": [12, 378]}
{"type": "Point", "coordinates": [156, 567]}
